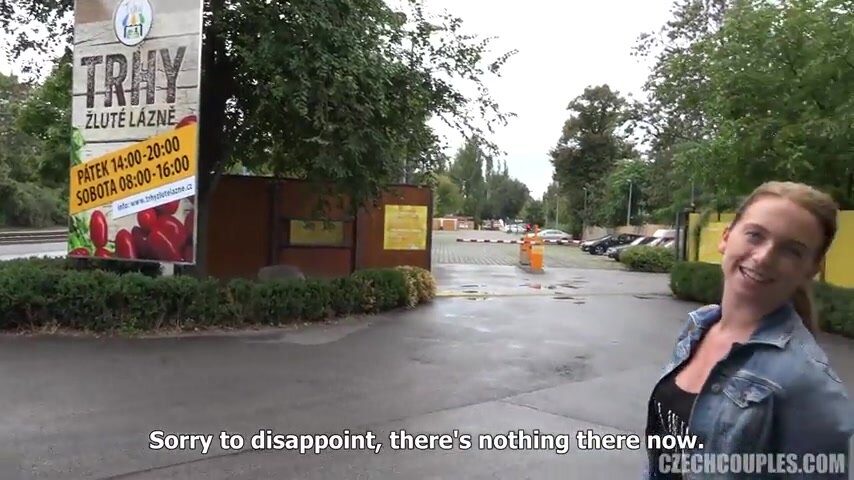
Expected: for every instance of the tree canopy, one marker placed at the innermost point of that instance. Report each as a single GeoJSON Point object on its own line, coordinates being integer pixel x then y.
{"type": "Point", "coordinates": [741, 92]}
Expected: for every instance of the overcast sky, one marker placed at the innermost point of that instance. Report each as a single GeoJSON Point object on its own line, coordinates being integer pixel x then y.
{"type": "Point", "coordinates": [564, 46]}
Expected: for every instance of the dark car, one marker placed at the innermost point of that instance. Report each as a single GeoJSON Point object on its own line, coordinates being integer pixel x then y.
{"type": "Point", "coordinates": [585, 245]}
{"type": "Point", "coordinates": [601, 246]}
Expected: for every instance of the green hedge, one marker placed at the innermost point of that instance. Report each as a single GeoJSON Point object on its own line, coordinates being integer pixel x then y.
{"type": "Point", "coordinates": [643, 258]}
{"type": "Point", "coordinates": [124, 297]}
{"type": "Point", "coordinates": [703, 282]}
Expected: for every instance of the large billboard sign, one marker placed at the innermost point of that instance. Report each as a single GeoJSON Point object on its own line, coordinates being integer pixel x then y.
{"type": "Point", "coordinates": [135, 129]}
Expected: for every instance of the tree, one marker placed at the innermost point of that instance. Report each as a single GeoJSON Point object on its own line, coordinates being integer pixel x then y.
{"type": "Point", "coordinates": [671, 118]}
{"type": "Point", "coordinates": [505, 196]}
{"type": "Point", "coordinates": [25, 200]}
{"type": "Point", "coordinates": [791, 117]}
{"type": "Point", "coordinates": [16, 156]}
{"type": "Point", "coordinates": [556, 206]}
{"type": "Point", "coordinates": [629, 179]}
{"type": "Point", "coordinates": [335, 91]}
{"type": "Point", "coordinates": [589, 146]}
{"type": "Point", "coordinates": [534, 213]}
{"type": "Point", "coordinates": [468, 173]}
{"type": "Point", "coordinates": [47, 116]}
{"type": "Point", "coordinates": [744, 92]}
{"type": "Point", "coordinates": [447, 199]}
{"type": "Point", "coordinates": [678, 81]}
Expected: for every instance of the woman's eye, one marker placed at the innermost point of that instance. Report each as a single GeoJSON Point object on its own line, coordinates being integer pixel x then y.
{"type": "Point", "coordinates": [753, 235]}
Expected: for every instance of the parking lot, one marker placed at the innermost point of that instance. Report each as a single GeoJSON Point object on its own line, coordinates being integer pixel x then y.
{"type": "Point", "coordinates": [447, 250]}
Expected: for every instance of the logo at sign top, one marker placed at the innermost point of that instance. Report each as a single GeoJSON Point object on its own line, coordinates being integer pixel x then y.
{"type": "Point", "coordinates": [132, 21]}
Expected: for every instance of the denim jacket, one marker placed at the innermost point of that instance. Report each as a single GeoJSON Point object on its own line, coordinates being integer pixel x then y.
{"type": "Point", "coordinates": [774, 394]}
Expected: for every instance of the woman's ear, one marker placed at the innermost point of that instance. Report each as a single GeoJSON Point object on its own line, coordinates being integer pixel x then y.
{"type": "Point", "coordinates": [724, 240]}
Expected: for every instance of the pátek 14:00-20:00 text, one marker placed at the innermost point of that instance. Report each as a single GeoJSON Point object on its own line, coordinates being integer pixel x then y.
{"type": "Point", "coordinates": [154, 151]}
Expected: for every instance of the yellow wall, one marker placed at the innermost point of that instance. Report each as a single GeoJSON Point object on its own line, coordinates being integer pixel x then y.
{"type": "Point", "coordinates": [839, 266]}
{"type": "Point", "coordinates": [710, 238]}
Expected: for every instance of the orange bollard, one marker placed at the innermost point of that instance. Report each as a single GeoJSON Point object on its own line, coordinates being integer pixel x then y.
{"type": "Point", "coordinates": [525, 251]}
{"type": "Point", "coordinates": [537, 253]}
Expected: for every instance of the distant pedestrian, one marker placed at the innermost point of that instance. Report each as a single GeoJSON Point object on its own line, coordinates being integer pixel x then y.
{"type": "Point", "coordinates": [747, 376]}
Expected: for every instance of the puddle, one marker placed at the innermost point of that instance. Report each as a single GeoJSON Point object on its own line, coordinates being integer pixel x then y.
{"type": "Point", "coordinates": [580, 302]}
{"type": "Point", "coordinates": [568, 285]}
{"type": "Point", "coordinates": [471, 291]}
{"type": "Point", "coordinates": [563, 297]}
{"type": "Point", "coordinates": [536, 286]}
{"type": "Point", "coordinates": [476, 298]}
{"type": "Point", "coordinates": [644, 297]}
{"type": "Point", "coordinates": [472, 285]}
{"type": "Point", "coordinates": [575, 370]}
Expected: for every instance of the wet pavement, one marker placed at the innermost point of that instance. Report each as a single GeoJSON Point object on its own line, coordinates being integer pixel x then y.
{"type": "Point", "coordinates": [500, 352]}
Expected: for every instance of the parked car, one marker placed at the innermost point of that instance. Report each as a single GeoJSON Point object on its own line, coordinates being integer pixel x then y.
{"type": "Point", "coordinates": [552, 234]}
{"type": "Point", "coordinates": [601, 246]}
{"type": "Point", "coordinates": [660, 242]}
{"type": "Point", "coordinates": [614, 252]}
{"type": "Point", "coordinates": [585, 245]}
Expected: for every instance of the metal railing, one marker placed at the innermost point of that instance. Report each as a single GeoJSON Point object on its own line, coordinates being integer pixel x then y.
{"type": "Point", "coordinates": [20, 237]}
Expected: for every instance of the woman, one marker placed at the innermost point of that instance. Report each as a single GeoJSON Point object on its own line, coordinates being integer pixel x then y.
{"type": "Point", "coordinates": [747, 376]}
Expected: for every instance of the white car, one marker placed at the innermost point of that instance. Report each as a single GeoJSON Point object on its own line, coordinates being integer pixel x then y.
{"type": "Point", "coordinates": [553, 235]}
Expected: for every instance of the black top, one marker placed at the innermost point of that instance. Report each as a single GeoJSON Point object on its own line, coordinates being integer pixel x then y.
{"type": "Point", "coordinates": [670, 413]}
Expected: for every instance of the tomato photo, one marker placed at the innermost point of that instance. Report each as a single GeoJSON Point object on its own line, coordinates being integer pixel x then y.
{"type": "Point", "coordinates": [98, 229]}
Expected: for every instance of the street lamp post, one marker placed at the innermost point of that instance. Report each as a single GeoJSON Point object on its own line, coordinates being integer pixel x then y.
{"type": "Point", "coordinates": [629, 209]}
{"type": "Point", "coordinates": [584, 214]}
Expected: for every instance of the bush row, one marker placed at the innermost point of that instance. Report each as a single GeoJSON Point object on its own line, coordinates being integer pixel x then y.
{"type": "Point", "coordinates": [643, 258]}
{"type": "Point", "coordinates": [46, 293]}
{"type": "Point", "coordinates": [703, 282]}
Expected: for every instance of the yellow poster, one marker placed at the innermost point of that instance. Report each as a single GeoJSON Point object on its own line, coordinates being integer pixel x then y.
{"type": "Point", "coordinates": [405, 227]}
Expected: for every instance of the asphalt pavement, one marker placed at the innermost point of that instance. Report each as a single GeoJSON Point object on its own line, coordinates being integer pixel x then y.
{"type": "Point", "coordinates": [570, 350]}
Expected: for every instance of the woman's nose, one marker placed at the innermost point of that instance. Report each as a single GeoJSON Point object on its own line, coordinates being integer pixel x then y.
{"type": "Point", "coordinates": [764, 253]}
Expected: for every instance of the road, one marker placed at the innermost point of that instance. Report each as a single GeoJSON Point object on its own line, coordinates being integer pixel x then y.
{"type": "Point", "coordinates": [529, 359]}
{"type": "Point", "coordinates": [8, 252]}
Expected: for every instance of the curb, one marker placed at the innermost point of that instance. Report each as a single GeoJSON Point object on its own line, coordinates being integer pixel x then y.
{"type": "Point", "coordinates": [552, 242]}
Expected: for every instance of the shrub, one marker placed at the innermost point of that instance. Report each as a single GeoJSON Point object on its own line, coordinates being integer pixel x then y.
{"type": "Point", "coordinates": [835, 308]}
{"type": "Point", "coordinates": [703, 282]}
{"type": "Point", "coordinates": [151, 269]}
{"type": "Point", "coordinates": [643, 258]}
{"type": "Point", "coordinates": [104, 297]}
